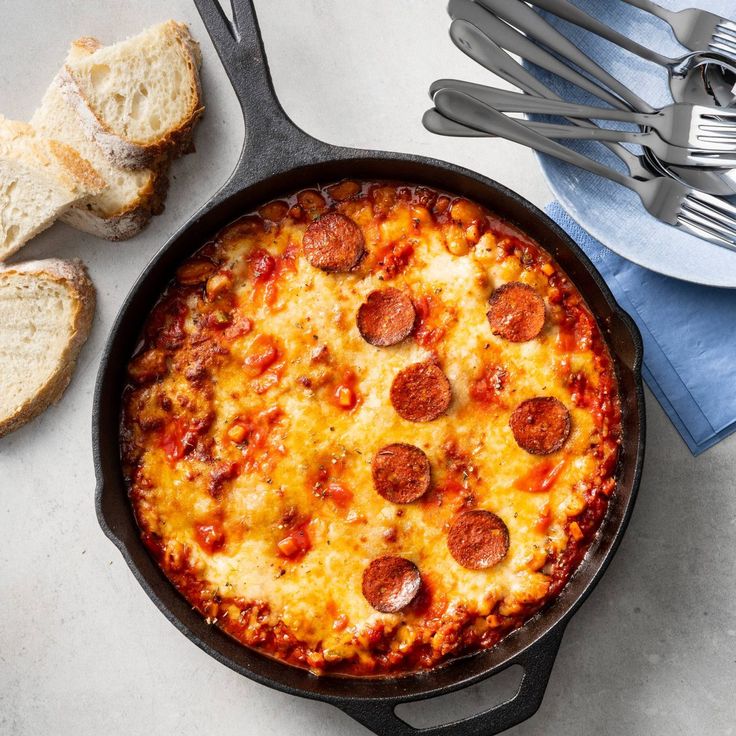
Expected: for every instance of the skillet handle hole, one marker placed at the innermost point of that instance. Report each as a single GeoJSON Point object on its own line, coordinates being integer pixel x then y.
{"type": "Point", "coordinates": [464, 703]}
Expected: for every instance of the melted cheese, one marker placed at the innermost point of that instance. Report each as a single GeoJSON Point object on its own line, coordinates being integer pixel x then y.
{"type": "Point", "coordinates": [256, 507]}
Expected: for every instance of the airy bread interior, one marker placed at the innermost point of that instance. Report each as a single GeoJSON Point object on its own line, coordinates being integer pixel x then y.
{"type": "Point", "coordinates": [144, 88]}
{"type": "Point", "coordinates": [39, 179]}
{"type": "Point", "coordinates": [46, 309]}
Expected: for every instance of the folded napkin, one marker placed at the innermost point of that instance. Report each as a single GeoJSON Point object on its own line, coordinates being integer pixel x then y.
{"type": "Point", "coordinates": [689, 334]}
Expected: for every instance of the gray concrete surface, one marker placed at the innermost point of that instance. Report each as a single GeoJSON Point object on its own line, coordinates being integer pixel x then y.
{"type": "Point", "coordinates": [82, 649]}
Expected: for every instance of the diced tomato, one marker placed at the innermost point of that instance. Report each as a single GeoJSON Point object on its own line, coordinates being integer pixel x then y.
{"type": "Point", "coordinates": [289, 256]}
{"type": "Point", "coordinates": [544, 521]}
{"type": "Point", "coordinates": [256, 445]}
{"type": "Point", "coordinates": [325, 482]}
{"type": "Point", "coordinates": [338, 494]}
{"type": "Point", "coordinates": [265, 270]}
{"type": "Point", "coordinates": [210, 536]}
{"type": "Point", "coordinates": [261, 354]}
{"type": "Point", "coordinates": [487, 387]}
{"type": "Point", "coordinates": [541, 477]}
{"type": "Point", "coordinates": [345, 394]}
{"type": "Point", "coordinates": [433, 318]}
{"type": "Point", "coordinates": [575, 531]}
{"type": "Point", "coordinates": [220, 473]}
{"type": "Point", "coordinates": [237, 433]}
{"type": "Point", "coordinates": [345, 397]}
{"type": "Point", "coordinates": [268, 380]}
{"type": "Point", "coordinates": [340, 623]}
{"type": "Point", "coordinates": [172, 439]}
{"type": "Point", "coordinates": [240, 326]}
{"type": "Point", "coordinates": [576, 329]}
{"type": "Point", "coordinates": [450, 490]}
{"type": "Point", "coordinates": [392, 259]}
{"type": "Point", "coordinates": [261, 265]}
{"type": "Point", "coordinates": [288, 546]}
{"type": "Point", "coordinates": [296, 544]}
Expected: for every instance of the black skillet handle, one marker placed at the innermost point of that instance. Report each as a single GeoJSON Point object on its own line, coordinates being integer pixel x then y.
{"type": "Point", "coordinates": [272, 142]}
{"type": "Point", "coordinates": [537, 662]}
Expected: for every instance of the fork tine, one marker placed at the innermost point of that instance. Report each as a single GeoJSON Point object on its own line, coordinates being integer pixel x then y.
{"type": "Point", "coordinates": [724, 28]}
{"type": "Point", "coordinates": [717, 218]}
{"type": "Point", "coordinates": [715, 159]}
{"type": "Point", "coordinates": [718, 148]}
{"type": "Point", "coordinates": [724, 38]}
{"type": "Point", "coordinates": [716, 133]}
{"type": "Point", "coordinates": [727, 24]}
{"type": "Point", "coordinates": [726, 144]}
{"type": "Point", "coordinates": [695, 212]}
{"type": "Point", "coordinates": [704, 233]}
{"type": "Point", "coordinates": [724, 48]}
{"type": "Point", "coordinates": [722, 114]}
{"type": "Point", "coordinates": [705, 222]}
{"type": "Point", "coordinates": [717, 127]}
{"type": "Point", "coordinates": [716, 203]}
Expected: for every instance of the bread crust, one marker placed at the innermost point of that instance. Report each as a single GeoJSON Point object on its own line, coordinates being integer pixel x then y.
{"type": "Point", "coordinates": [73, 274]}
{"type": "Point", "coordinates": [131, 154]}
{"type": "Point", "coordinates": [127, 222]}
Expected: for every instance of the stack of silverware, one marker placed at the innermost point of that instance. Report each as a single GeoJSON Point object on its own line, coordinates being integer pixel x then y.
{"type": "Point", "coordinates": [686, 166]}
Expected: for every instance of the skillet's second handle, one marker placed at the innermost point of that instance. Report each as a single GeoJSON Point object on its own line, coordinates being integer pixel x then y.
{"type": "Point", "coordinates": [537, 662]}
{"type": "Point", "coordinates": [273, 142]}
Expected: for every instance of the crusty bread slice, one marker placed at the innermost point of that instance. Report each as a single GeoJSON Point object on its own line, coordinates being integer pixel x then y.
{"type": "Point", "coordinates": [46, 311]}
{"type": "Point", "coordinates": [131, 198]}
{"type": "Point", "coordinates": [40, 178]}
{"type": "Point", "coordinates": [140, 98]}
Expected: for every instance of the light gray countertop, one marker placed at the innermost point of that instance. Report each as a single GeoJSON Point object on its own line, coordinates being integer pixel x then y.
{"type": "Point", "coordinates": [84, 651]}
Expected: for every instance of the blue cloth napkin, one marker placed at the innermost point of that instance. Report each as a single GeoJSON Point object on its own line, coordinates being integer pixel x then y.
{"type": "Point", "coordinates": [689, 334]}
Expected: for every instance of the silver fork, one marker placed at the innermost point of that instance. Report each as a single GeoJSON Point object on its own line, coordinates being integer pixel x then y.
{"type": "Point", "coordinates": [695, 29]}
{"type": "Point", "coordinates": [473, 42]}
{"type": "Point", "coordinates": [668, 200]}
{"type": "Point", "coordinates": [680, 124]}
{"type": "Point", "coordinates": [521, 15]}
{"type": "Point", "coordinates": [671, 154]}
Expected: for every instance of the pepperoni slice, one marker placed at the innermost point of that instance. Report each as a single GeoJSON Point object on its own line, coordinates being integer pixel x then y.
{"type": "Point", "coordinates": [401, 473]}
{"type": "Point", "coordinates": [516, 312]}
{"type": "Point", "coordinates": [421, 392]}
{"type": "Point", "coordinates": [540, 425]}
{"type": "Point", "coordinates": [333, 243]}
{"type": "Point", "coordinates": [391, 583]}
{"type": "Point", "coordinates": [386, 317]}
{"type": "Point", "coordinates": [478, 539]}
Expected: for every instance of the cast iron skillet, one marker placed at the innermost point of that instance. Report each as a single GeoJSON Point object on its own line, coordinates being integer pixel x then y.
{"type": "Point", "coordinates": [278, 158]}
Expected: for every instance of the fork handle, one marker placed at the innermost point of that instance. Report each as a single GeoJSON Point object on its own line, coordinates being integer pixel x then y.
{"type": "Point", "coordinates": [507, 101]}
{"type": "Point", "coordinates": [567, 11]}
{"type": "Point", "coordinates": [572, 132]}
{"type": "Point", "coordinates": [657, 10]}
{"type": "Point", "coordinates": [519, 14]}
{"type": "Point", "coordinates": [475, 44]}
{"type": "Point", "coordinates": [440, 124]}
{"type": "Point", "coordinates": [467, 110]}
{"type": "Point", "coordinates": [516, 43]}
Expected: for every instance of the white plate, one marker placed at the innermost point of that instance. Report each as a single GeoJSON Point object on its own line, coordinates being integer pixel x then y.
{"type": "Point", "coordinates": [612, 214]}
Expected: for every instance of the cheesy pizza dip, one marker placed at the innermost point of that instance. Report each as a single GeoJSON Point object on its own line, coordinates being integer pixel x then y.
{"type": "Point", "coordinates": [370, 427]}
